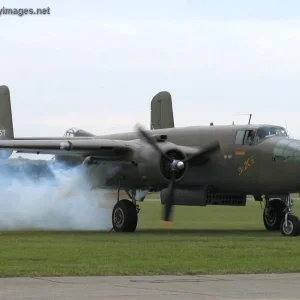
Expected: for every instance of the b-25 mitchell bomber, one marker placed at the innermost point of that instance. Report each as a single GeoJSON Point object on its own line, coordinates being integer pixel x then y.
{"type": "Point", "coordinates": [195, 166]}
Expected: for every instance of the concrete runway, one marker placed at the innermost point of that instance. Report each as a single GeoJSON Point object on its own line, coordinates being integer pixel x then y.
{"type": "Point", "coordinates": [202, 287]}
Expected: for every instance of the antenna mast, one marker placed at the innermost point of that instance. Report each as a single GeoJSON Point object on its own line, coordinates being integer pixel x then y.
{"type": "Point", "coordinates": [250, 116]}
{"type": "Point", "coordinates": [249, 119]}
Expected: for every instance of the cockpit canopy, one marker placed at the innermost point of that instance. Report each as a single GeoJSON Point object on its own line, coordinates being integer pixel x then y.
{"type": "Point", "coordinates": [257, 135]}
{"type": "Point", "coordinates": [71, 132]}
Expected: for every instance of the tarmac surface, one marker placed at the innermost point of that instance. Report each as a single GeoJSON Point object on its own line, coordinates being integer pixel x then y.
{"type": "Point", "coordinates": [202, 287]}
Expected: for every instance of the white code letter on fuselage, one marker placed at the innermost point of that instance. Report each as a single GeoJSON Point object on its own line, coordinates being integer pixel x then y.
{"type": "Point", "coordinates": [2, 132]}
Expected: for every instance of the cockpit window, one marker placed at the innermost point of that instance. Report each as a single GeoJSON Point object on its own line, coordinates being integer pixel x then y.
{"type": "Point", "coordinates": [267, 132]}
{"type": "Point", "coordinates": [250, 137]}
{"type": "Point", "coordinates": [245, 137]}
{"type": "Point", "coordinates": [71, 132]}
{"type": "Point", "coordinates": [256, 136]}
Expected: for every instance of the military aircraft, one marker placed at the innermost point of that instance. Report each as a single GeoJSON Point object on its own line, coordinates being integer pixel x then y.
{"type": "Point", "coordinates": [195, 166]}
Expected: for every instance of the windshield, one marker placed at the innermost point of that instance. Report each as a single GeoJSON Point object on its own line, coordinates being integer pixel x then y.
{"type": "Point", "coordinates": [265, 132]}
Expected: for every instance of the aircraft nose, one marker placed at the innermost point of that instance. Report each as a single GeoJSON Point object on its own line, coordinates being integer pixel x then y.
{"type": "Point", "coordinates": [287, 149]}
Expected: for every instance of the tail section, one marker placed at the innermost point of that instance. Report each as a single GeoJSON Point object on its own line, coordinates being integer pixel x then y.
{"type": "Point", "coordinates": [6, 122]}
{"type": "Point", "coordinates": [162, 111]}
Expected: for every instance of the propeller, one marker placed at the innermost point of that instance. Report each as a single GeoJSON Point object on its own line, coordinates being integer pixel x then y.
{"type": "Point", "coordinates": [177, 165]}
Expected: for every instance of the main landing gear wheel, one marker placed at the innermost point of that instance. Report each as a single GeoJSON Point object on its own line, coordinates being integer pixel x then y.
{"type": "Point", "coordinates": [124, 216]}
{"type": "Point", "coordinates": [272, 218]}
{"type": "Point", "coordinates": [292, 228]}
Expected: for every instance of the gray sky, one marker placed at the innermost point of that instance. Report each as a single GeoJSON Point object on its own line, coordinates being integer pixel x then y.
{"type": "Point", "coordinates": [97, 64]}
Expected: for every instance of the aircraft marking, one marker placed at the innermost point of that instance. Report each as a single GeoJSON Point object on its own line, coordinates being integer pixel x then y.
{"type": "Point", "coordinates": [2, 132]}
{"type": "Point", "coordinates": [240, 151]}
{"type": "Point", "coordinates": [247, 164]}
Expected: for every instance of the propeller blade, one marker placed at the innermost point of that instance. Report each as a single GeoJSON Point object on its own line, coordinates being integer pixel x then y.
{"type": "Point", "coordinates": [208, 149]}
{"type": "Point", "coordinates": [170, 198]}
{"type": "Point", "coordinates": [152, 142]}
{"type": "Point", "coordinates": [175, 166]}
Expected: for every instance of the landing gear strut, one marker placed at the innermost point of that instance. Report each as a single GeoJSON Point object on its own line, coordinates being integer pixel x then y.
{"type": "Point", "coordinates": [125, 214]}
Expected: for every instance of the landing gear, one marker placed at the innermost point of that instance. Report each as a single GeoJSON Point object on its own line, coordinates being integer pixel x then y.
{"type": "Point", "coordinates": [273, 214]}
{"type": "Point", "coordinates": [125, 214]}
{"type": "Point", "coordinates": [290, 226]}
{"type": "Point", "coordinates": [278, 216]}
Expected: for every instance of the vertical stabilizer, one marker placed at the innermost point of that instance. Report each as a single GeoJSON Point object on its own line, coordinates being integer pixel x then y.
{"type": "Point", "coordinates": [162, 111]}
{"type": "Point", "coordinates": [6, 122]}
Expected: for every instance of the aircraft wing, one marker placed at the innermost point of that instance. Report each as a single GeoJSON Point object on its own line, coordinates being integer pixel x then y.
{"type": "Point", "coordinates": [102, 148]}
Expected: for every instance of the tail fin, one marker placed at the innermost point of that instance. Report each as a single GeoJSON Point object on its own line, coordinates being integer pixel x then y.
{"type": "Point", "coordinates": [162, 111]}
{"type": "Point", "coordinates": [6, 122]}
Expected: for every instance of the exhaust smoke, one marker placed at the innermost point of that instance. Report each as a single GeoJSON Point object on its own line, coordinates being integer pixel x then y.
{"type": "Point", "coordinates": [61, 200]}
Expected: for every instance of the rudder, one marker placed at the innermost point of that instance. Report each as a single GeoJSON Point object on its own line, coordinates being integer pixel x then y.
{"type": "Point", "coordinates": [6, 122]}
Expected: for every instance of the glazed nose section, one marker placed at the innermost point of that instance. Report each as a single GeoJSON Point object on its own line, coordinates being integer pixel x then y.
{"type": "Point", "coordinates": [287, 149]}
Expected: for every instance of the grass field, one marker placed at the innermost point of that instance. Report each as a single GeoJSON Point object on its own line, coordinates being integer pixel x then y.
{"type": "Point", "coordinates": [201, 240]}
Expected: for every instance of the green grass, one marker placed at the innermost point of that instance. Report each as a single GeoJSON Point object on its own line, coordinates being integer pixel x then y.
{"type": "Point", "coordinates": [210, 240]}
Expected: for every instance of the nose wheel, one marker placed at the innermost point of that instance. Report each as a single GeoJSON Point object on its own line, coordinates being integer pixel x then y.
{"type": "Point", "coordinates": [290, 225]}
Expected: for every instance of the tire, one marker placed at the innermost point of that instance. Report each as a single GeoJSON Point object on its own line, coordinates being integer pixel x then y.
{"type": "Point", "coordinates": [293, 228]}
{"type": "Point", "coordinates": [273, 219]}
{"type": "Point", "coordinates": [124, 216]}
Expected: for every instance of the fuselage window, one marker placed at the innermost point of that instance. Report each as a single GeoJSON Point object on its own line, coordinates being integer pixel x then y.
{"type": "Point", "coordinates": [239, 139]}
{"type": "Point", "coordinates": [249, 138]}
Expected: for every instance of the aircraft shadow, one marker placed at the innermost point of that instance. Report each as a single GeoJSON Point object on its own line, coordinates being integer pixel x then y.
{"type": "Point", "coordinates": [203, 232]}
{"type": "Point", "coordinates": [180, 232]}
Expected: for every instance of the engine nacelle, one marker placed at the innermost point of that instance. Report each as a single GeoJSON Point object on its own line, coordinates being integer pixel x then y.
{"type": "Point", "coordinates": [155, 169]}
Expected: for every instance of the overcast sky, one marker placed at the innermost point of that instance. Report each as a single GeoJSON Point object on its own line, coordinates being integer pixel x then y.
{"type": "Point", "coordinates": [97, 64]}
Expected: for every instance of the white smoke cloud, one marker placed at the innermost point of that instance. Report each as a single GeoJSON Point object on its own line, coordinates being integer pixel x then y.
{"type": "Point", "coordinates": [63, 201]}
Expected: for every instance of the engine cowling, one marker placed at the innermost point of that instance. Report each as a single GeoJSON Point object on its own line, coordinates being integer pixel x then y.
{"type": "Point", "coordinates": [155, 169]}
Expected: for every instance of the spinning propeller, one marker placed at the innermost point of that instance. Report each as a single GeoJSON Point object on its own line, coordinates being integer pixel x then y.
{"type": "Point", "coordinates": [177, 165]}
